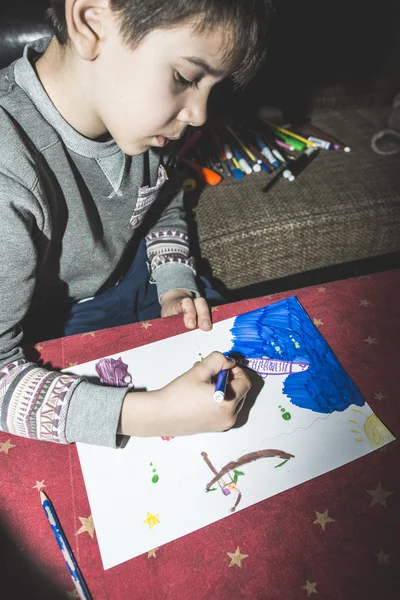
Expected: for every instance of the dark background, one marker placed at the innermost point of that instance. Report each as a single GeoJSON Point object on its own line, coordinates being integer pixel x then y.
{"type": "Point", "coordinates": [345, 52]}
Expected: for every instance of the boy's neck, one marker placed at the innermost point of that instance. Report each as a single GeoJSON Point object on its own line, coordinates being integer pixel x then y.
{"type": "Point", "coordinates": [65, 79]}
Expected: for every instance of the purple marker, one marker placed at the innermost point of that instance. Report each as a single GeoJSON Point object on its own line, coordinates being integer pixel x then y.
{"type": "Point", "coordinates": [220, 385]}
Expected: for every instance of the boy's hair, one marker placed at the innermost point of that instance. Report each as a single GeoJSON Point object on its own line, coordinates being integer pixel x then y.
{"type": "Point", "coordinates": [246, 19]}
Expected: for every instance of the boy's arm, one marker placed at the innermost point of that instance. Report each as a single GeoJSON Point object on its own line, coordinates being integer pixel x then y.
{"type": "Point", "coordinates": [171, 265]}
{"type": "Point", "coordinates": [35, 402]}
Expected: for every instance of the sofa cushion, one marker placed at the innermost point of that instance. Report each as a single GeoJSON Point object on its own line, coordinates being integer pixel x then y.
{"type": "Point", "coordinates": [343, 207]}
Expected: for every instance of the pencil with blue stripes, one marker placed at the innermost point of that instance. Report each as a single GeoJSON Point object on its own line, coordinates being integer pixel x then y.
{"type": "Point", "coordinates": [66, 551]}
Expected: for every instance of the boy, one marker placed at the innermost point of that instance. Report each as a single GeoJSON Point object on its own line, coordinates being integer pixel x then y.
{"type": "Point", "coordinates": [80, 117]}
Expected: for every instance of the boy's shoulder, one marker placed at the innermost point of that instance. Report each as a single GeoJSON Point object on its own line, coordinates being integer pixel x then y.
{"type": "Point", "coordinates": [24, 131]}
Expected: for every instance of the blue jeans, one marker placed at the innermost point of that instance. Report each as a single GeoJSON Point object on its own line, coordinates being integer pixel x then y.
{"type": "Point", "coordinates": [132, 300]}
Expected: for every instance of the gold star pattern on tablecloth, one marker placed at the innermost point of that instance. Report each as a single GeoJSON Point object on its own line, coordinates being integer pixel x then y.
{"type": "Point", "coordinates": [71, 364]}
{"type": "Point", "coordinates": [365, 303]}
{"type": "Point", "coordinates": [38, 347]}
{"type": "Point", "coordinates": [39, 485]}
{"type": "Point", "coordinates": [91, 333]}
{"type": "Point", "coordinates": [87, 526]}
{"type": "Point", "coordinates": [152, 553]}
{"type": "Point", "coordinates": [151, 519]}
{"type": "Point", "coordinates": [322, 290]}
{"type": "Point", "coordinates": [370, 340]}
{"type": "Point", "coordinates": [379, 396]}
{"type": "Point", "coordinates": [322, 519]}
{"type": "Point", "coordinates": [236, 558]}
{"type": "Point", "coordinates": [309, 588]}
{"type": "Point", "coordinates": [382, 557]}
{"type": "Point", "coordinates": [146, 324]}
{"type": "Point", "coordinates": [317, 322]}
{"type": "Point", "coordinates": [379, 495]}
{"type": "Point", "coordinates": [214, 309]}
{"type": "Point", "coordinates": [6, 446]}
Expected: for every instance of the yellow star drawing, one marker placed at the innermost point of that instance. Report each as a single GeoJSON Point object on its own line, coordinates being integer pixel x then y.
{"type": "Point", "coordinates": [92, 333]}
{"type": "Point", "coordinates": [365, 303]}
{"type": "Point", "coordinates": [146, 325]}
{"type": "Point", "coordinates": [38, 347]}
{"type": "Point", "coordinates": [322, 519]}
{"type": "Point", "coordinates": [322, 290]}
{"type": "Point", "coordinates": [382, 557]}
{"type": "Point", "coordinates": [214, 309]}
{"type": "Point", "coordinates": [151, 520]}
{"type": "Point", "coordinates": [379, 495]}
{"type": "Point", "coordinates": [70, 364]}
{"type": "Point", "coordinates": [152, 553]}
{"type": "Point", "coordinates": [267, 297]}
{"type": "Point", "coordinates": [317, 322]}
{"type": "Point", "coordinates": [236, 558]}
{"type": "Point", "coordinates": [39, 485]}
{"type": "Point", "coordinates": [370, 340]}
{"type": "Point", "coordinates": [310, 588]}
{"type": "Point", "coordinates": [6, 446]}
{"type": "Point", "coordinates": [87, 526]}
{"type": "Point", "coordinates": [379, 396]}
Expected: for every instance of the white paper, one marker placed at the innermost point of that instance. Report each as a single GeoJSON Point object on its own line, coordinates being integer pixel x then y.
{"type": "Point", "coordinates": [133, 515]}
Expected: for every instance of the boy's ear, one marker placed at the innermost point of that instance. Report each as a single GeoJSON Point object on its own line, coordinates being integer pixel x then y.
{"type": "Point", "coordinates": [85, 20]}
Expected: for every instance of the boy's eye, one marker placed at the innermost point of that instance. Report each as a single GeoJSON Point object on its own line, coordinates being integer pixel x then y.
{"type": "Point", "coordinates": [182, 81]}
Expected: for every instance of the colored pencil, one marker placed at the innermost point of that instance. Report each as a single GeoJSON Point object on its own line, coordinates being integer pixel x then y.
{"type": "Point", "coordinates": [66, 551]}
{"type": "Point", "coordinates": [287, 132]}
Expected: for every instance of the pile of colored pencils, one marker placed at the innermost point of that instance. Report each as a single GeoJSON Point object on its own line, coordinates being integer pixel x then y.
{"type": "Point", "coordinates": [214, 153]}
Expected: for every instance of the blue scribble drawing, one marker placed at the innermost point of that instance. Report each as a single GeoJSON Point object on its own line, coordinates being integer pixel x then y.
{"type": "Point", "coordinates": [282, 336]}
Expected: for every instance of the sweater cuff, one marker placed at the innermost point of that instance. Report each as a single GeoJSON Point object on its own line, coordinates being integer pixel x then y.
{"type": "Point", "coordinates": [174, 276]}
{"type": "Point", "coordinates": [93, 415]}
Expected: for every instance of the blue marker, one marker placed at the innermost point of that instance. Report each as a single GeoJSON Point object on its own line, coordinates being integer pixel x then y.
{"type": "Point", "coordinates": [265, 151]}
{"type": "Point", "coordinates": [220, 385]}
{"type": "Point", "coordinates": [83, 592]}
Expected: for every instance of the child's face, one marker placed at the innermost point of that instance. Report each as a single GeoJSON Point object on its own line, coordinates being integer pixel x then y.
{"type": "Point", "coordinates": [141, 96]}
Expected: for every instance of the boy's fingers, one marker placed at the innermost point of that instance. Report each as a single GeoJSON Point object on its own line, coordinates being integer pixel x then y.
{"type": "Point", "coordinates": [186, 306]}
{"type": "Point", "coordinates": [213, 364]}
{"type": "Point", "coordinates": [203, 314]}
{"type": "Point", "coordinates": [240, 384]}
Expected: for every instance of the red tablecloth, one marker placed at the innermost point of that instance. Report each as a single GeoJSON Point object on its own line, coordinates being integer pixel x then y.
{"type": "Point", "coordinates": [337, 536]}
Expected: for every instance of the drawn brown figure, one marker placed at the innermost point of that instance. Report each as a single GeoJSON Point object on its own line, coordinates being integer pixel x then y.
{"type": "Point", "coordinates": [229, 487]}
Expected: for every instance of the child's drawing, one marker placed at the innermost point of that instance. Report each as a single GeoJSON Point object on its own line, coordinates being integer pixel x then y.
{"type": "Point", "coordinates": [277, 340]}
{"type": "Point", "coordinates": [113, 372]}
{"type": "Point", "coordinates": [229, 487]}
{"type": "Point", "coordinates": [304, 402]}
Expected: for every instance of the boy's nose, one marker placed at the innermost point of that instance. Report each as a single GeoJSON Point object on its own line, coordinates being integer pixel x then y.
{"type": "Point", "coordinates": [194, 114]}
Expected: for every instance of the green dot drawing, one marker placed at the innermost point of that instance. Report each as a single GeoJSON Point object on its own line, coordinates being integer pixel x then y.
{"type": "Point", "coordinates": [286, 415]}
{"type": "Point", "coordinates": [155, 478]}
{"type": "Point", "coordinates": [201, 356]}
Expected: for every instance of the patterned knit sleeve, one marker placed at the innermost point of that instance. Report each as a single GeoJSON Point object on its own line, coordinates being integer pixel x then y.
{"type": "Point", "coordinates": [171, 265]}
{"type": "Point", "coordinates": [34, 402]}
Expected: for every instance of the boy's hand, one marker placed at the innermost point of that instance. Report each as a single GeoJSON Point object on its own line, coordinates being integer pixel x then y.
{"type": "Point", "coordinates": [195, 311]}
{"type": "Point", "coordinates": [186, 405]}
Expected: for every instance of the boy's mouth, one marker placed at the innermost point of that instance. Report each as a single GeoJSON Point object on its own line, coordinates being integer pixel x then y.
{"type": "Point", "coordinates": [162, 141]}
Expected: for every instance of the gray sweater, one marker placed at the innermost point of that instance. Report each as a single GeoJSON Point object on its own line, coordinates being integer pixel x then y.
{"type": "Point", "coordinates": [70, 207]}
